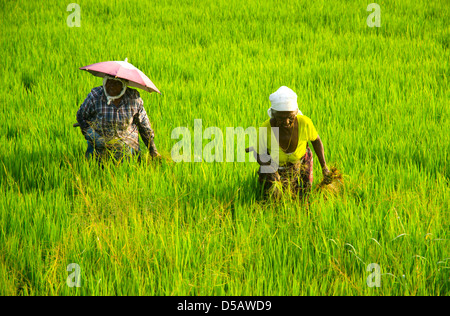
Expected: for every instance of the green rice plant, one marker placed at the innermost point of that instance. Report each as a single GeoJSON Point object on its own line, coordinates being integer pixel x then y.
{"type": "Point", "coordinates": [377, 96]}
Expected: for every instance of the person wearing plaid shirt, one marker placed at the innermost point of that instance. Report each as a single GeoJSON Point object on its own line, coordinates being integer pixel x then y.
{"type": "Point", "coordinates": [114, 127]}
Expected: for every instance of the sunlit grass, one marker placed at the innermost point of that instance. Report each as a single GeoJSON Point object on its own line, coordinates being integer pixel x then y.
{"type": "Point", "coordinates": [379, 99]}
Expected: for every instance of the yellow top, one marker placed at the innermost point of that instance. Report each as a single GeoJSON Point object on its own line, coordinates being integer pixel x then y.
{"type": "Point", "coordinates": [306, 132]}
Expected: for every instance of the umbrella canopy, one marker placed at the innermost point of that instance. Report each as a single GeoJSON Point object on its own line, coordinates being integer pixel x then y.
{"type": "Point", "coordinates": [123, 70]}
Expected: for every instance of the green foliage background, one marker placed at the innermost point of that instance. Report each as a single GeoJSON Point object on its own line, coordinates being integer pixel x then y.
{"type": "Point", "coordinates": [378, 97]}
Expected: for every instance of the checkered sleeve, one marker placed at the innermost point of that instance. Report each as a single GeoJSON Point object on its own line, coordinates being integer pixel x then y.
{"type": "Point", "coordinates": [145, 128]}
{"type": "Point", "coordinates": [85, 113]}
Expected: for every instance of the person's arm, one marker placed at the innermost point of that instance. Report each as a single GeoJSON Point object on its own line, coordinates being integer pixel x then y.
{"type": "Point", "coordinates": [85, 113]}
{"type": "Point", "coordinates": [262, 159]}
{"type": "Point", "coordinates": [146, 131]}
{"type": "Point", "coordinates": [318, 149]}
{"type": "Point", "coordinates": [261, 152]}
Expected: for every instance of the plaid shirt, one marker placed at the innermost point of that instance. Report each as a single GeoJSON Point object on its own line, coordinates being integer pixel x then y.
{"type": "Point", "coordinates": [120, 125]}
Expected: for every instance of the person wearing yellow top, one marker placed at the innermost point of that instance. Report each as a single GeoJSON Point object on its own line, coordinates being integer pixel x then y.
{"type": "Point", "coordinates": [282, 150]}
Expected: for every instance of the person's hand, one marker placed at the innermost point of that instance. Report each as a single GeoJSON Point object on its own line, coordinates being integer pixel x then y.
{"type": "Point", "coordinates": [155, 155]}
{"type": "Point", "coordinates": [255, 154]}
{"type": "Point", "coordinates": [327, 175]}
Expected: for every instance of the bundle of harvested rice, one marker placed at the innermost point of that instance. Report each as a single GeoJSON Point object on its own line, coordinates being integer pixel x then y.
{"type": "Point", "coordinates": [333, 184]}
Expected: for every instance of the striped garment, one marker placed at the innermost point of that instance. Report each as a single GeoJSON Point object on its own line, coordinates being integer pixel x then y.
{"type": "Point", "coordinates": [119, 126]}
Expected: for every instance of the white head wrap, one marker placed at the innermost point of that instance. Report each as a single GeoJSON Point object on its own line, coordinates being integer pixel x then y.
{"type": "Point", "coordinates": [124, 88]}
{"type": "Point", "coordinates": [284, 99]}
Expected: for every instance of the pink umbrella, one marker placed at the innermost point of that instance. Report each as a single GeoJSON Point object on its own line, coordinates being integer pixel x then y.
{"type": "Point", "coordinates": [123, 70]}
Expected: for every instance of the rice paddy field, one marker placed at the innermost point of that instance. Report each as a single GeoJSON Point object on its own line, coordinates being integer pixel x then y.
{"type": "Point", "coordinates": [378, 97]}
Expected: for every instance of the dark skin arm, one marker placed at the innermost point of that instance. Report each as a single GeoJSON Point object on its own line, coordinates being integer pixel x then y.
{"type": "Point", "coordinates": [318, 149]}
{"type": "Point", "coordinates": [263, 160]}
